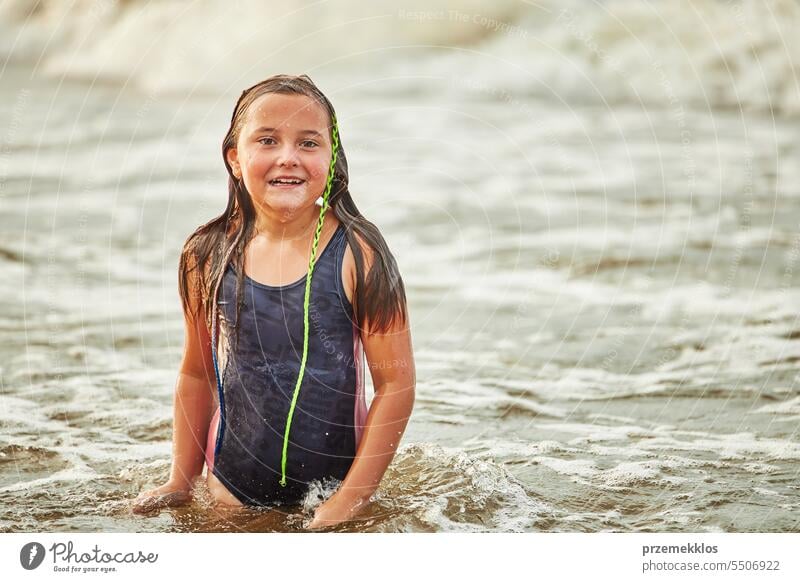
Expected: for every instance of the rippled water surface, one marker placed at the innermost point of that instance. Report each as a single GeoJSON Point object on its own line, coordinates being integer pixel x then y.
{"type": "Point", "coordinates": [603, 300]}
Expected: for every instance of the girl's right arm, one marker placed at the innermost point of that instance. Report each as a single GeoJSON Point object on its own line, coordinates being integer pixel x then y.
{"type": "Point", "coordinates": [194, 404]}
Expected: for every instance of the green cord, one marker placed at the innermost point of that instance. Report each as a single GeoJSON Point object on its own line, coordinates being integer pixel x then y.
{"type": "Point", "coordinates": [311, 263]}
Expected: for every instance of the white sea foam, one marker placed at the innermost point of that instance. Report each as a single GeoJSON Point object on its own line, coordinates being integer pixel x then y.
{"type": "Point", "coordinates": [70, 475]}
{"type": "Point", "coordinates": [459, 487]}
{"type": "Point", "coordinates": [759, 468]}
{"type": "Point", "coordinates": [573, 467]}
{"type": "Point", "coordinates": [791, 406]}
{"type": "Point", "coordinates": [728, 447]}
{"type": "Point", "coordinates": [473, 397]}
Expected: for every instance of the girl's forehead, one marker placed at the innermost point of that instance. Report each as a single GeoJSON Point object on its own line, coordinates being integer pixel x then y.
{"type": "Point", "coordinates": [287, 112]}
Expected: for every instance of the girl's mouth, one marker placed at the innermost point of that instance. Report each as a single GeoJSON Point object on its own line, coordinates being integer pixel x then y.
{"type": "Point", "coordinates": [286, 183]}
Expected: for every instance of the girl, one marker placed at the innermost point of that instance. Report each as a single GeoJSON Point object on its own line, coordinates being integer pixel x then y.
{"type": "Point", "coordinates": [281, 293]}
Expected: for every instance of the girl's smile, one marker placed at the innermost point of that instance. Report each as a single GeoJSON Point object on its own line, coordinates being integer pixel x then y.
{"type": "Point", "coordinates": [286, 182]}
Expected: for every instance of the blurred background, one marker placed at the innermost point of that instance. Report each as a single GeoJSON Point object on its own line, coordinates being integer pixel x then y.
{"type": "Point", "coordinates": [594, 205]}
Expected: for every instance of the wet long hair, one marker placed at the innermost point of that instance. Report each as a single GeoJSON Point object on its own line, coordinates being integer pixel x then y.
{"type": "Point", "coordinates": [379, 300]}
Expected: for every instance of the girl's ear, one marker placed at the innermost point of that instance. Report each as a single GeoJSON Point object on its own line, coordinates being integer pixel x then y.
{"type": "Point", "coordinates": [233, 159]}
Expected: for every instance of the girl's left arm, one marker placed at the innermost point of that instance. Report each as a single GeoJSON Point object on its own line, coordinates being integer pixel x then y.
{"type": "Point", "coordinates": [390, 358]}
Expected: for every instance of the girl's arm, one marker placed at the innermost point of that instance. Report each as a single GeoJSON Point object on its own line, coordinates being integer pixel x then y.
{"type": "Point", "coordinates": [193, 405]}
{"type": "Point", "coordinates": [390, 358]}
{"type": "Point", "coordinates": [391, 361]}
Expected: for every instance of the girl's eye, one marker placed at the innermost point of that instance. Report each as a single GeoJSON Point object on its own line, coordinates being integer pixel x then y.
{"type": "Point", "coordinates": [309, 144]}
{"type": "Point", "coordinates": [263, 140]}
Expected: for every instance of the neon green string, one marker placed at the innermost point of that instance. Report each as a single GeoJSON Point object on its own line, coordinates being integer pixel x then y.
{"type": "Point", "coordinates": [312, 261]}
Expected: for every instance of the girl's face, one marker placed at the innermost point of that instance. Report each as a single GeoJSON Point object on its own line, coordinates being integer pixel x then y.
{"type": "Point", "coordinates": [283, 153]}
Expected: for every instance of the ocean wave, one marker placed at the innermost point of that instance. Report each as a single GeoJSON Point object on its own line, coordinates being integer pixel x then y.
{"type": "Point", "coordinates": [443, 489]}
{"type": "Point", "coordinates": [216, 45]}
{"type": "Point", "coordinates": [683, 53]}
{"type": "Point", "coordinates": [693, 53]}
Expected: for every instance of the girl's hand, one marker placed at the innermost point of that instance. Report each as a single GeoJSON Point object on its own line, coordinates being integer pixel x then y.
{"type": "Point", "coordinates": [168, 495]}
{"type": "Point", "coordinates": [335, 511]}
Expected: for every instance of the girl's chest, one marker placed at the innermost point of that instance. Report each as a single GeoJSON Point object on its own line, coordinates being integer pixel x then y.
{"type": "Point", "coordinates": [276, 266]}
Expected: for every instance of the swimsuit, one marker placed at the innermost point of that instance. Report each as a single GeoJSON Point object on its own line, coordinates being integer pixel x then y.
{"type": "Point", "coordinates": [259, 373]}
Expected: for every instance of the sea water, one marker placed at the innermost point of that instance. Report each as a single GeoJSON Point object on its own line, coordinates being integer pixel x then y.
{"type": "Point", "coordinates": [595, 213]}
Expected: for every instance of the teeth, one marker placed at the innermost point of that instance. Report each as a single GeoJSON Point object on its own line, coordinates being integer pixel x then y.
{"type": "Point", "coordinates": [282, 181]}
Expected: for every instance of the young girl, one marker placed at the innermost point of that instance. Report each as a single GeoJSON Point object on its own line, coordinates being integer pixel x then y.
{"type": "Point", "coordinates": [281, 293]}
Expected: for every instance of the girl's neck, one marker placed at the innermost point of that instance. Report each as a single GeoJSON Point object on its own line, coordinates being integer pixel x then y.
{"type": "Point", "coordinates": [278, 229]}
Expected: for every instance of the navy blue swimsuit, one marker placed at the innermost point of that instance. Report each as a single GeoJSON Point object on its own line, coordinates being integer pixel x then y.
{"type": "Point", "coordinates": [259, 374]}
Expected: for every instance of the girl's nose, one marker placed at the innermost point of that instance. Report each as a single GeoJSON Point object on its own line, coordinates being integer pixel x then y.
{"type": "Point", "coordinates": [287, 156]}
